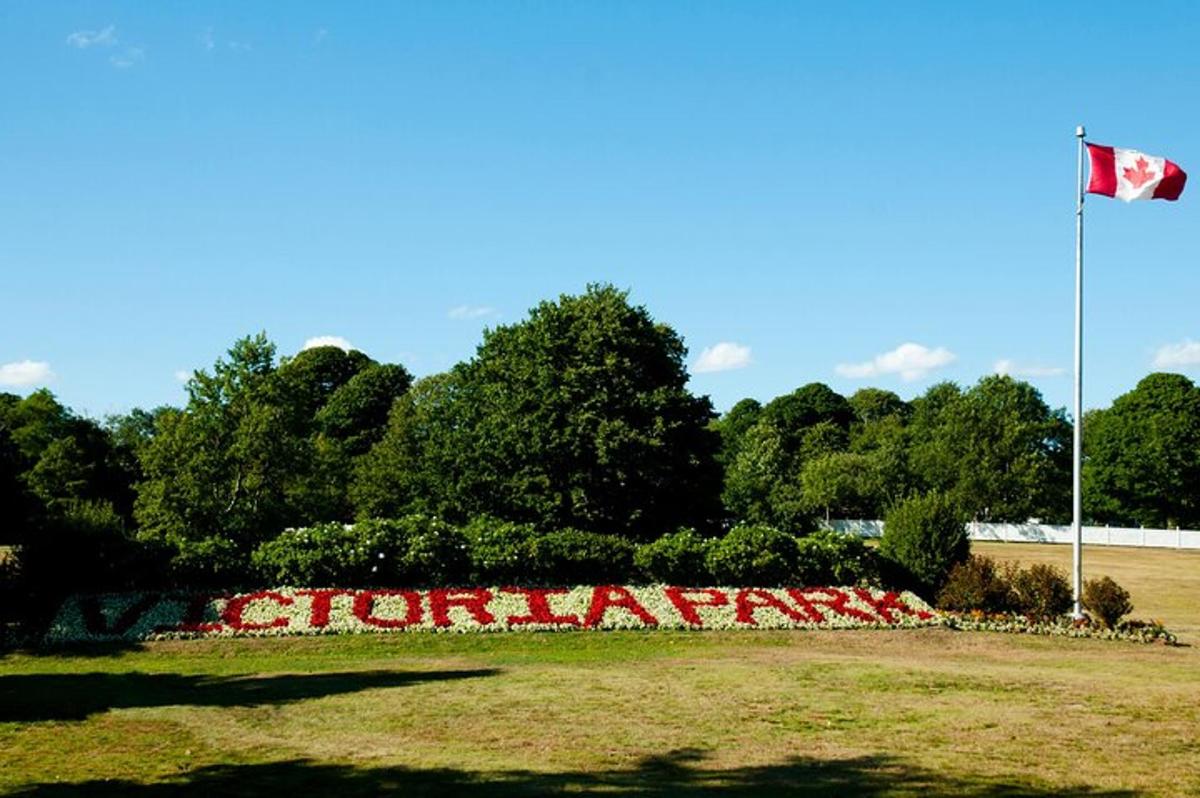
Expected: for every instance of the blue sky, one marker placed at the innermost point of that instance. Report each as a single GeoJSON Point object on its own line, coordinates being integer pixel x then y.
{"type": "Point", "coordinates": [811, 186]}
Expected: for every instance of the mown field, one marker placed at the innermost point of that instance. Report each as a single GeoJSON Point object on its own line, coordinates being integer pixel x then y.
{"type": "Point", "coordinates": [877, 713]}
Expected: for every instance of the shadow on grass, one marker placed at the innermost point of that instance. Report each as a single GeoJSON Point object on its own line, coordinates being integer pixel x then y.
{"type": "Point", "coordinates": [97, 650]}
{"type": "Point", "coordinates": [675, 774]}
{"type": "Point", "coordinates": [28, 698]}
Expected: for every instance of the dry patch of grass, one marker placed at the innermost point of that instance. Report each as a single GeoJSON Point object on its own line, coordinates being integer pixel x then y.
{"type": "Point", "coordinates": [1163, 583]}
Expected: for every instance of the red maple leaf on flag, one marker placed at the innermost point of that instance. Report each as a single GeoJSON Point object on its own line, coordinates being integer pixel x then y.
{"type": "Point", "coordinates": [1140, 176]}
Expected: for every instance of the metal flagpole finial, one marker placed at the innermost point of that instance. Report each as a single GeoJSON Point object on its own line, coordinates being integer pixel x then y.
{"type": "Point", "coordinates": [1079, 131]}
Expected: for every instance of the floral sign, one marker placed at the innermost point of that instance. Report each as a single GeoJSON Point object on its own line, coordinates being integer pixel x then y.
{"type": "Point", "coordinates": [144, 616]}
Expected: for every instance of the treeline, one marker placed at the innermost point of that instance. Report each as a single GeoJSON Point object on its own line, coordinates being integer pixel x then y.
{"type": "Point", "coordinates": [578, 417]}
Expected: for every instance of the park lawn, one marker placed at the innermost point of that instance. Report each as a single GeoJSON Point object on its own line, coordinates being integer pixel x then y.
{"type": "Point", "coordinates": [925, 712]}
{"type": "Point", "coordinates": [1164, 584]}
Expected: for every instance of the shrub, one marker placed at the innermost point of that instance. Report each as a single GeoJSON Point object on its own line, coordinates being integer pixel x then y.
{"type": "Point", "coordinates": [753, 555]}
{"type": "Point", "coordinates": [572, 557]}
{"type": "Point", "coordinates": [435, 554]}
{"type": "Point", "coordinates": [501, 552]}
{"type": "Point", "coordinates": [208, 562]}
{"type": "Point", "coordinates": [826, 557]}
{"type": "Point", "coordinates": [977, 583]}
{"type": "Point", "coordinates": [11, 596]}
{"type": "Point", "coordinates": [413, 550]}
{"type": "Point", "coordinates": [1041, 591]}
{"type": "Point", "coordinates": [926, 537]}
{"type": "Point", "coordinates": [677, 559]}
{"type": "Point", "coordinates": [1106, 600]}
{"type": "Point", "coordinates": [82, 547]}
{"type": "Point", "coordinates": [332, 554]}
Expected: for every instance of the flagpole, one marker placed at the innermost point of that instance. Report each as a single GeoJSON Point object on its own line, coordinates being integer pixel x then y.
{"type": "Point", "coordinates": [1077, 443]}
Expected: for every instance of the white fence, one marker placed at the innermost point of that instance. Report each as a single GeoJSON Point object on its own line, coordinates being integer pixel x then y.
{"type": "Point", "coordinates": [1045, 533]}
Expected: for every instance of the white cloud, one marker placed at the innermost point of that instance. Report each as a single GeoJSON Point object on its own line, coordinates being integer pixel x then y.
{"type": "Point", "coordinates": [206, 39]}
{"type": "Point", "coordinates": [23, 373]}
{"type": "Point", "coordinates": [724, 356]}
{"type": "Point", "coordinates": [328, 340]}
{"type": "Point", "coordinates": [911, 361]}
{"type": "Point", "coordinates": [84, 39]}
{"type": "Point", "coordinates": [1011, 369]}
{"type": "Point", "coordinates": [182, 375]}
{"type": "Point", "coordinates": [130, 56]}
{"type": "Point", "coordinates": [1185, 354]}
{"type": "Point", "coordinates": [471, 312]}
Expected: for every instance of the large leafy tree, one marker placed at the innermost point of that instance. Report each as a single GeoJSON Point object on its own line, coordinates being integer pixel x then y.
{"type": "Point", "coordinates": [997, 449]}
{"type": "Point", "coordinates": [874, 474]}
{"type": "Point", "coordinates": [763, 482]}
{"type": "Point", "coordinates": [1143, 455]}
{"type": "Point", "coordinates": [51, 458]}
{"type": "Point", "coordinates": [733, 426]}
{"type": "Point", "coordinates": [410, 469]}
{"type": "Point", "coordinates": [578, 416]}
{"type": "Point", "coordinates": [250, 453]}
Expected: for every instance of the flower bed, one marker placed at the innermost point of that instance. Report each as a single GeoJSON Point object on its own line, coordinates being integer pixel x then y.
{"type": "Point", "coordinates": [292, 611]}
{"type": "Point", "coordinates": [1135, 631]}
{"type": "Point", "coordinates": [144, 616]}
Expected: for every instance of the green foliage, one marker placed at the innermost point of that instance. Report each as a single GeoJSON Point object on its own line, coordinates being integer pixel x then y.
{"type": "Point", "coordinates": [926, 536]}
{"type": "Point", "coordinates": [841, 484]}
{"type": "Point", "coordinates": [435, 552]}
{"type": "Point", "coordinates": [572, 557]}
{"type": "Point", "coordinates": [48, 455]}
{"type": "Point", "coordinates": [1041, 591]}
{"type": "Point", "coordinates": [977, 584]}
{"type": "Point", "coordinates": [330, 554]}
{"type": "Point", "coordinates": [1142, 461]}
{"type": "Point", "coordinates": [733, 426]}
{"type": "Point", "coordinates": [415, 550]}
{"type": "Point", "coordinates": [762, 481]}
{"type": "Point", "coordinates": [826, 557]}
{"type": "Point", "coordinates": [260, 447]}
{"type": "Point", "coordinates": [83, 546]}
{"type": "Point", "coordinates": [501, 552]}
{"type": "Point", "coordinates": [753, 555]}
{"type": "Point", "coordinates": [997, 449]}
{"type": "Point", "coordinates": [410, 468]}
{"type": "Point", "coordinates": [875, 404]}
{"type": "Point", "coordinates": [356, 413]}
{"type": "Point", "coordinates": [678, 558]}
{"type": "Point", "coordinates": [1106, 600]}
{"type": "Point", "coordinates": [206, 562]}
{"type": "Point", "coordinates": [577, 417]}
{"type": "Point", "coordinates": [807, 407]}
{"type": "Point", "coordinates": [17, 506]}
{"type": "Point", "coordinates": [761, 486]}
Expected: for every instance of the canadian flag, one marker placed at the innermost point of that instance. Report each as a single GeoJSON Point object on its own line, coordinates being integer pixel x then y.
{"type": "Point", "coordinates": [1131, 175]}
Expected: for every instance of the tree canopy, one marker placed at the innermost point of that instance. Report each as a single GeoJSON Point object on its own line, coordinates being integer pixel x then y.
{"type": "Point", "coordinates": [578, 416]}
{"type": "Point", "coordinates": [1143, 455]}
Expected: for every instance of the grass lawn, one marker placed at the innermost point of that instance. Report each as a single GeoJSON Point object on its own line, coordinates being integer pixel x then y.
{"type": "Point", "coordinates": [918, 712]}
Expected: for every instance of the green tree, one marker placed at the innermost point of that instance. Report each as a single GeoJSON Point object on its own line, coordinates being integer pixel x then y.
{"type": "Point", "coordinates": [259, 447]}
{"type": "Point", "coordinates": [577, 417]}
{"type": "Point", "coordinates": [841, 485]}
{"type": "Point", "coordinates": [997, 449]}
{"type": "Point", "coordinates": [925, 535]}
{"type": "Point", "coordinates": [409, 470]}
{"type": "Point", "coordinates": [875, 404]}
{"type": "Point", "coordinates": [733, 426]}
{"type": "Point", "coordinates": [1142, 461]}
{"type": "Point", "coordinates": [763, 482]}
{"type": "Point", "coordinates": [17, 506]}
{"type": "Point", "coordinates": [356, 414]}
